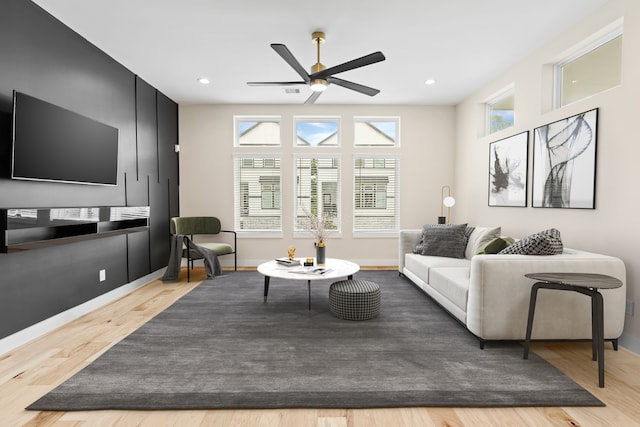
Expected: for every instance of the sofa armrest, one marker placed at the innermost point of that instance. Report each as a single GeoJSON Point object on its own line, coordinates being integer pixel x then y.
{"type": "Point", "coordinates": [407, 242]}
{"type": "Point", "coordinates": [499, 294]}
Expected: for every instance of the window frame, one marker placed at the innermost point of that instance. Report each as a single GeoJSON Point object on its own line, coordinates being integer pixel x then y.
{"type": "Point", "coordinates": [335, 158]}
{"type": "Point", "coordinates": [588, 46]}
{"type": "Point", "coordinates": [317, 119]}
{"type": "Point", "coordinates": [240, 118]}
{"type": "Point", "coordinates": [506, 92]}
{"type": "Point", "coordinates": [368, 119]}
{"type": "Point", "coordinates": [242, 197]}
{"type": "Point", "coordinates": [361, 158]}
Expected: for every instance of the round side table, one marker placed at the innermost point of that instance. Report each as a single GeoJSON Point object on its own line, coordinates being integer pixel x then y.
{"type": "Point", "coordinates": [586, 284]}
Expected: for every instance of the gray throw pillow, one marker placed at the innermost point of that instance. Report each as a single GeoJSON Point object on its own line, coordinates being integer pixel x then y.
{"type": "Point", "coordinates": [547, 242]}
{"type": "Point", "coordinates": [445, 240]}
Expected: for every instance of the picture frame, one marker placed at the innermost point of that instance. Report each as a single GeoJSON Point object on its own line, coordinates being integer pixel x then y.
{"type": "Point", "coordinates": [564, 162]}
{"type": "Point", "coordinates": [508, 171]}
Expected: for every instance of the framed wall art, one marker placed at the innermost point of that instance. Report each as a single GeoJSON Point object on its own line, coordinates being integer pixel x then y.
{"type": "Point", "coordinates": [564, 162]}
{"type": "Point", "coordinates": [508, 159]}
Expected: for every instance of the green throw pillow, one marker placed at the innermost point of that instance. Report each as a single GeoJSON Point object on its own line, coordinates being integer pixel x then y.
{"type": "Point", "coordinates": [494, 246]}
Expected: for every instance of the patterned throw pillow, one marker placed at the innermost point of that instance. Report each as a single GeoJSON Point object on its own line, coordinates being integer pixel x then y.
{"type": "Point", "coordinates": [446, 240]}
{"type": "Point", "coordinates": [547, 242]}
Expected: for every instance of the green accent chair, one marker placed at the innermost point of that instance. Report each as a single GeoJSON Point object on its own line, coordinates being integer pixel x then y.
{"type": "Point", "coordinates": [203, 225]}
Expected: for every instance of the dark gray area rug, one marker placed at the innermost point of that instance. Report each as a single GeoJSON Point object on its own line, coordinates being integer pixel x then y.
{"type": "Point", "coordinates": [221, 346]}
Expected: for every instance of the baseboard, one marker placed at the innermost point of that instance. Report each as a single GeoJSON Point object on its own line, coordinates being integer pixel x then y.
{"type": "Point", "coordinates": [41, 328]}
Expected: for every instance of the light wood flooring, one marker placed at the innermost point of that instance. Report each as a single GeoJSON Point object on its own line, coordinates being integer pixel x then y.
{"type": "Point", "coordinates": [32, 370]}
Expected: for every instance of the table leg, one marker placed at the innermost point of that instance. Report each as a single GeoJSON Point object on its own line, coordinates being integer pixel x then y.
{"type": "Point", "coordinates": [599, 333]}
{"type": "Point", "coordinates": [532, 308]}
{"type": "Point", "coordinates": [309, 288]}
{"type": "Point", "coordinates": [594, 327]}
{"type": "Point", "coordinates": [266, 287]}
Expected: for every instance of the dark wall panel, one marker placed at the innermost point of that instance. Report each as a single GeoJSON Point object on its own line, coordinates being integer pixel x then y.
{"type": "Point", "coordinates": [164, 196]}
{"type": "Point", "coordinates": [146, 130]}
{"type": "Point", "coordinates": [43, 58]}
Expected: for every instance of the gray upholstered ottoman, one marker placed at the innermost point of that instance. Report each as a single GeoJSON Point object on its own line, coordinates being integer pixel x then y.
{"type": "Point", "coordinates": [354, 299]}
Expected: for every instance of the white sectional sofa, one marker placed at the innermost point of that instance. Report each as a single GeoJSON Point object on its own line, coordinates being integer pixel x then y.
{"type": "Point", "coordinates": [490, 295]}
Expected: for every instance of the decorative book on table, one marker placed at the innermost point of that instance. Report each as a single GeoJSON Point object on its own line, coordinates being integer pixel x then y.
{"type": "Point", "coordinates": [288, 262]}
{"type": "Point", "coordinates": [314, 271]}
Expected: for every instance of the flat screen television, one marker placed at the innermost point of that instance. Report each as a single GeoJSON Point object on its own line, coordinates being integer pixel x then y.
{"type": "Point", "coordinates": [51, 143]}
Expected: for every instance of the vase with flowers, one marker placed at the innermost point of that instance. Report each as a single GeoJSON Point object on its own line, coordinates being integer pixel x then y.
{"type": "Point", "coordinates": [319, 227]}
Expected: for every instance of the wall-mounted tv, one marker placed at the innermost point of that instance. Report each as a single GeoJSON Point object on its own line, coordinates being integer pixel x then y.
{"type": "Point", "coordinates": [51, 143]}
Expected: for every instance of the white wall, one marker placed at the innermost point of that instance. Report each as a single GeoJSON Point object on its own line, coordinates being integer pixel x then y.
{"type": "Point", "coordinates": [206, 173]}
{"type": "Point", "coordinates": [612, 227]}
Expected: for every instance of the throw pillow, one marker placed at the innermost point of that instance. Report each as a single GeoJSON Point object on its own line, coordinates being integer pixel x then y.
{"type": "Point", "coordinates": [445, 240]}
{"type": "Point", "coordinates": [479, 237]}
{"type": "Point", "coordinates": [496, 245]}
{"type": "Point", "coordinates": [547, 242]}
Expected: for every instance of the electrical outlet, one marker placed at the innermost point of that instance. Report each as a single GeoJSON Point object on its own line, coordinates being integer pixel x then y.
{"type": "Point", "coordinates": [628, 310]}
{"type": "Point", "coordinates": [103, 275]}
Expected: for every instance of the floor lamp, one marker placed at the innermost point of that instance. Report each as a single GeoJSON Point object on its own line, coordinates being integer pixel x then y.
{"type": "Point", "coordinates": [448, 201]}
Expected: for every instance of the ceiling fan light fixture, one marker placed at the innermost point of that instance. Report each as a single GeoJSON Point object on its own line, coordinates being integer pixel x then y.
{"type": "Point", "coordinates": [318, 85]}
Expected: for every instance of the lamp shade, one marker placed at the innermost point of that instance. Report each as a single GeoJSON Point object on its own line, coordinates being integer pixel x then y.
{"type": "Point", "coordinates": [449, 201]}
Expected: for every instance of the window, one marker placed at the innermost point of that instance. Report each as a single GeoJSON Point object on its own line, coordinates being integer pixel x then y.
{"type": "Point", "coordinates": [376, 194]}
{"type": "Point", "coordinates": [590, 70]}
{"type": "Point", "coordinates": [317, 131]}
{"type": "Point", "coordinates": [257, 193]}
{"type": "Point", "coordinates": [499, 111]}
{"type": "Point", "coordinates": [376, 131]}
{"type": "Point", "coordinates": [261, 131]}
{"type": "Point", "coordinates": [317, 190]}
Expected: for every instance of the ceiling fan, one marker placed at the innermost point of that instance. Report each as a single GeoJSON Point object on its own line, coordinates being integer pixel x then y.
{"type": "Point", "coordinates": [321, 76]}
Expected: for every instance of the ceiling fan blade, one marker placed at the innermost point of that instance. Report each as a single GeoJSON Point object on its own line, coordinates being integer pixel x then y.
{"type": "Point", "coordinates": [286, 54]}
{"type": "Point", "coordinates": [350, 65]}
{"type": "Point", "coordinates": [313, 97]}
{"type": "Point", "coordinates": [353, 86]}
{"type": "Point", "coordinates": [275, 83]}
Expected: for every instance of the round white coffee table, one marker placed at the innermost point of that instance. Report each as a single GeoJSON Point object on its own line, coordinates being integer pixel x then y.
{"type": "Point", "coordinates": [336, 268]}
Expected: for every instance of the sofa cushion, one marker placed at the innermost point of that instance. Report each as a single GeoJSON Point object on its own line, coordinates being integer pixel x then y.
{"type": "Point", "coordinates": [496, 245]}
{"type": "Point", "coordinates": [547, 242]}
{"type": "Point", "coordinates": [452, 283]}
{"type": "Point", "coordinates": [479, 237]}
{"type": "Point", "coordinates": [444, 240]}
{"type": "Point", "coordinates": [421, 265]}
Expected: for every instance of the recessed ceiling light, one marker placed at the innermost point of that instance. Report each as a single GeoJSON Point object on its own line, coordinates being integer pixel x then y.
{"type": "Point", "coordinates": [429, 82]}
{"type": "Point", "coordinates": [204, 80]}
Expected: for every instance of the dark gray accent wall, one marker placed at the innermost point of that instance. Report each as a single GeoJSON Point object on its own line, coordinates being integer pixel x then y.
{"type": "Point", "coordinates": [42, 57]}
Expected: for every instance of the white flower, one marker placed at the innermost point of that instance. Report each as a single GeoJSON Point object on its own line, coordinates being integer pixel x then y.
{"type": "Point", "coordinates": [318, 227]}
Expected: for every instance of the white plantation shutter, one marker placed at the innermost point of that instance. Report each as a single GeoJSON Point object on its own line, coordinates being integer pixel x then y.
{"type": "Point", "coordinates": [257, 189]}
{"type": "Point", "coordinates": [317, 189]}
{"type": "Point", "coordinates": [376, 190]}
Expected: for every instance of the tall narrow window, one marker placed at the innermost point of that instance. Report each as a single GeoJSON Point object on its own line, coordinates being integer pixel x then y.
{"type": "Point", "coordinates": [499, 111]}
{"type": "Point", "coordinates": [376, 205]}
{"type": "Point", "coordinates": [317, 190]}
{"type": "Point", "coordinates": [257, 193]}
{"type": "Point", "coordinates": [590, 70]}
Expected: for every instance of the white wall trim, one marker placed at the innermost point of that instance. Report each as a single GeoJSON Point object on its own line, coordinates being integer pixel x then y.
{"type": "Point", "coordinates": [41, 328]}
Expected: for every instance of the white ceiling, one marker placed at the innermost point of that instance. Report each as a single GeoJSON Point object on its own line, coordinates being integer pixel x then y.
{"type": "Point", "coordinates": [463, 44]}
